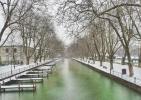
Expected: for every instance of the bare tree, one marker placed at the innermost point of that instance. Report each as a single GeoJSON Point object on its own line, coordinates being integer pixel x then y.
{"type": "Point", "coordinates": [112, 44]}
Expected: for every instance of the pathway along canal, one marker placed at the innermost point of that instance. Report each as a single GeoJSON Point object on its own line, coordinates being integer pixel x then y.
{"type": "Point", "coordinates": [73, 81]}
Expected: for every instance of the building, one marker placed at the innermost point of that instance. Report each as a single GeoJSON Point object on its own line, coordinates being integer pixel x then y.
{"type": "Point", "coordinates": [13, 54]}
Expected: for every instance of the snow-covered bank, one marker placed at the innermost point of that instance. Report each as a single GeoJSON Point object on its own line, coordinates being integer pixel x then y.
{"type": "Point", "coordinates": [7, 73]}
{"type": "Point", "coordinates": [7, 68]}
{"type": "Point", "coordinates": [117, 70]}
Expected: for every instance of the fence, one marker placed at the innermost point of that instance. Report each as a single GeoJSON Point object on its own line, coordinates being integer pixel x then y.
{"type": "Point", "coordinates": [11, 73]}
{"type": "Point", "coordinates": [126, 77]}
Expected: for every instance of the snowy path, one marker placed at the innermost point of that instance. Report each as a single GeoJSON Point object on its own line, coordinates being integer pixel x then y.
{"type": "Point", "coordinates": [6, 68]}
{"type": "Point", "coordinates": [117, 70]}
{"type": "Point", "coordinates": [6, 71]}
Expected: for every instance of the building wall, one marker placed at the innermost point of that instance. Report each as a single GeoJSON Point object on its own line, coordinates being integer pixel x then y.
{"type": "Point", "coordinates": [7, 53]}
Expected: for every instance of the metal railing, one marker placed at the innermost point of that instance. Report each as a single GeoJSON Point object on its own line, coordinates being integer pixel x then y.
{"type": "Point", "coordinates": [126, 77]}
{"type": "Point", "coordinates": [11, 73]}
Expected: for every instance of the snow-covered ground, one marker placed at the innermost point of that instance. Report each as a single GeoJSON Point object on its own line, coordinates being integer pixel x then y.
{"type": "Point", "coordinates": [8, 70]}
{"type": "Point", "coordinates": [5, 71]}
{"type": "Point", "coordinates": [117, 70]}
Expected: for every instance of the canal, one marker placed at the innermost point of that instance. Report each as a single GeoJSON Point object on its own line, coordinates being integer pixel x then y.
{"type": "Point", "coordinates": [73, 81]}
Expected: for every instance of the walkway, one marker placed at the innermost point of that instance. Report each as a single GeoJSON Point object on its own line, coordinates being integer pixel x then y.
{"type": "Point", "coordinates": [117, 70]}
{"type": "Point", "coordinates": [8, 72]}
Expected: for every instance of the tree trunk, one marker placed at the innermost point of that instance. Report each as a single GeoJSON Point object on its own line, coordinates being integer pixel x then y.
{"type": "Point", "coordinates": [131, 73]}
{"type": "Point", "coordinates": [14, 62]}
{"type": "Point", "coordinates": [93, 59]}
{"type": "Point", "coordinates": [41, 58]}
{"type": "Point", "coordinates": [3, 29]}
{"type": "Point", "coordinates": [123, 59]}
{"type": "Point", "coordinates": [35, 59]}
{"type": "Point", "coordinates": [111, 63]}
{"type": "Point", "coordinates": [44, 57]}
{"type": "Point", "coordinates": [139, 60]}
{"type": "Point", "coordinates": [101, 61]}
{"type": "Point", "coordinates": [27, 60]}
{"type": "Point", "coordinates": [103, 58]}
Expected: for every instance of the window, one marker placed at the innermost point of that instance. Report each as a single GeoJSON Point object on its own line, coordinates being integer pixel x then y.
{"type": "Point", "coordinates": [6, 50]}
{"type": "Point", "coordinates": [15, 50]}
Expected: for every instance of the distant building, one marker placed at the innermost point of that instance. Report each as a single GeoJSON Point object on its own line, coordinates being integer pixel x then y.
{"type": "Point", "coordinates": [13, 54]}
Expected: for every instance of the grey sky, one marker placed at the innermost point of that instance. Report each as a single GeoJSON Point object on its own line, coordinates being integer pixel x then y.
{"type": "Point", "coordinates": [59, 29]}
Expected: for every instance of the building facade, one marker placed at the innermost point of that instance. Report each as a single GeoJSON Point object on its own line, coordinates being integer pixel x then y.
{"type": "Point", "coordinates": [12, 54]}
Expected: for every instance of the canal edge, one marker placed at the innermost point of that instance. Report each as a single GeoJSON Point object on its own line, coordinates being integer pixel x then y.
{"type": "Point", "coordinates": [128, 84]}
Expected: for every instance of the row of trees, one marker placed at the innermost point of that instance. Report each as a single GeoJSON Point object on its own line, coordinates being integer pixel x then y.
{"type": "Point", "coordinates": [102, 27]}
{"type": "Point", "coordinates": [30, 18]}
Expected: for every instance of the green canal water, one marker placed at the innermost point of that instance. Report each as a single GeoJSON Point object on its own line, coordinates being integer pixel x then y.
{"type": "Point", "coordinates": [73, 81]}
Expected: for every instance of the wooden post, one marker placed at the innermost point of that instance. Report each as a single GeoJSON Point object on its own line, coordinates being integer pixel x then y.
{"type": "Point", "coordinates": [19, 86]}
{"type": "Point", "coordinates": [47, 75]}
{"type": "Point", "coordinates": [51, 70]}
{"type": "Point", "coordinates": [0, 87]}
{"type": "Point", "coordinates": [42, 73]}
{"type": "Point", "coordinates": [34, 86]}
{"type": "Point", "coordinates": [3, 82]}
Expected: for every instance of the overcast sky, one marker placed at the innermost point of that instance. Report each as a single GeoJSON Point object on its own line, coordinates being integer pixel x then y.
{"type": "Point", "coordinates": [59, 29]}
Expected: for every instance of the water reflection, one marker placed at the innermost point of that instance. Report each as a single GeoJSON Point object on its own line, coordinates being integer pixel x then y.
{"type": "Point", "coordinates": [70, 85]}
